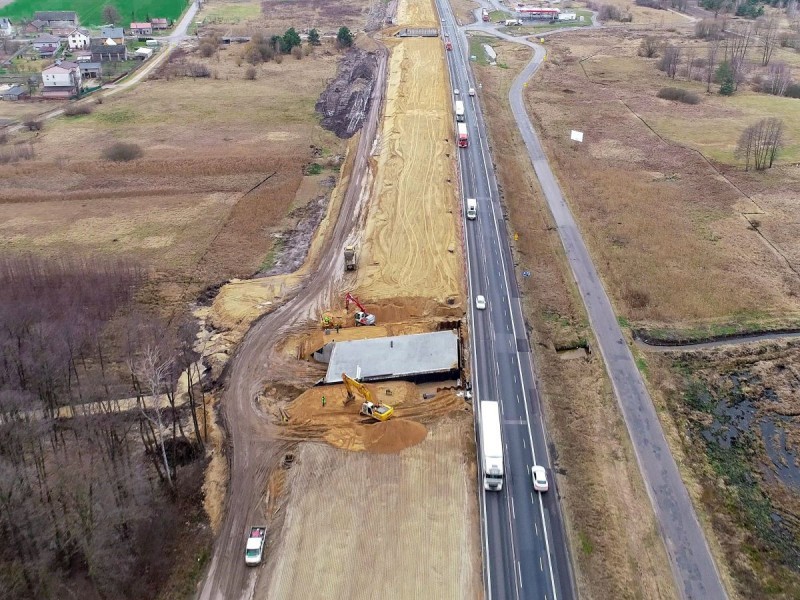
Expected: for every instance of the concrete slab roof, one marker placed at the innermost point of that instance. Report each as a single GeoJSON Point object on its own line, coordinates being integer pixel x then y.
{"type": "Point", "coordinates": [394, 357]}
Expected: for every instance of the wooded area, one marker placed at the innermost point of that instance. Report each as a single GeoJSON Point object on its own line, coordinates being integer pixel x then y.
{"type": "Point", "coordinates": [93, 436]}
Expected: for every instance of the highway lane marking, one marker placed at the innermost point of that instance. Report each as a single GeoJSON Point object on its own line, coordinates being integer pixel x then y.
{"type": "Point", "coordinates": [519, 366]}
{"type": "Point", "coordinates": [513, 512]}
{"type": "Point", "coordinates": [519, 574]}
{"type": "Point", "coordinates": [541, 565]}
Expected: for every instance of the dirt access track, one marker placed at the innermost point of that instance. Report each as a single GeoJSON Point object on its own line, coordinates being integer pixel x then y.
{"type": "Point", "coordinates": [366, 506]}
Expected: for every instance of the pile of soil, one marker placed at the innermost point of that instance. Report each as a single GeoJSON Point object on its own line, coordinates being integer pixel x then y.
{"type": "Point", "coordinates": [345, 102]}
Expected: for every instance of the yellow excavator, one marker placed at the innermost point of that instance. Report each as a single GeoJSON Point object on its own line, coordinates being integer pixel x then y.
{"type": "Point", "coordinates": [370, 407]}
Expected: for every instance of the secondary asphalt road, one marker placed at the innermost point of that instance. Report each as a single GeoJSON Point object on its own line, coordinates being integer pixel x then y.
{"type": "Point", "coordinates": [525, 553]}
{"type": "Point", "coordinates": [692, 564]}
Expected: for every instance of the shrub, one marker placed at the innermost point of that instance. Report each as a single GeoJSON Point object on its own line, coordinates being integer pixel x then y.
{"type": "Point", "coordinates": [33, 125]}
{"type": "Point", "coordinates": [297, 52]}
{"type": "Point", "coordinates": [250, 73]}
{"type": "Point", "coordinates": [708, 29]}
{"type": "Point", "coordinates": [207, 49]}
{"type": "Point", "coordinates": [657, 4]}
{"type": "Point", "coordinates": [678, 95]}
{"type": "Point", "coordinates": [793, 91]}
{"type": "Point", "coordinates": [123, 152]}
{"type": "Point", "coordinates": [344, 38]}
{"type": "Point", "coordinates": [16, 153]}
{"type": "Point", "coordinates": [75, 110]}
{"type": "Point", "coordinates": [649, 47]}
{"type": "Point", "coordinates": [279, 58]}
{"type": "Point", "coordinates": [3, 138]}
{"type": "Point", "coordinates": [195, 69]}
{"type": "Point", "coordinates": [609, 12]}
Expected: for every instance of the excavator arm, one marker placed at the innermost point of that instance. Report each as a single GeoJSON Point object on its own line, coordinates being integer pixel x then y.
{"type": "Point", "coordinates": [355, 387]}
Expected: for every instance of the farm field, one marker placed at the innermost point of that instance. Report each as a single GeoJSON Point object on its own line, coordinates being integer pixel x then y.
{"type": "Point", "coordinates": [219, 174]}
{"type": "Point", "coordinates": [90, 12]}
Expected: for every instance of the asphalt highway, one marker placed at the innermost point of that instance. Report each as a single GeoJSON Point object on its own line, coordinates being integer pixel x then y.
{"type": "Point", "coordinates": [525, 551]}
{"type": "Point", "coordinates": [695, 572]}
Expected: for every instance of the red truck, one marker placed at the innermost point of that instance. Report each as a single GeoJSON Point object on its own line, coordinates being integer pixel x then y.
{"type": "Point", "coordinates": [448, 44]}
{"type": "Point", "coordinates": [463, 140]}
{"type": "Point", "coordinates": [485, 14]}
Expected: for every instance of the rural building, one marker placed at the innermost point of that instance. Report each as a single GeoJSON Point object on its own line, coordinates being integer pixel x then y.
{"type": "Point", "coordinates": [141, 29]}
{"type": "Point", "coordinates": [61, 80]}
{"type": "Point", "coordinates": [77, 39]}
{"type": "Point", "coordinates": [58, 22]}
{"type": "Point", "coordinates": [113, 33]}
{"type": "Point", "coordinates": [46, 44]}
{"type": "Point", "coordinates": [90, 70]}
{"type": "Point", "coordinates": [35, 26]}
{"type": "Point", "coordinates": [6, 29]}
{"type": "Point", "coordinates": [143, 53]}
{"type": "Point", "coordinates": [418, 357]}
{"type": "Point", "coordinates": [102, 51]}
{"type": "Point", "coordinates": [14, 93]}
{"type": "Point", "coordinates": [159, 24]}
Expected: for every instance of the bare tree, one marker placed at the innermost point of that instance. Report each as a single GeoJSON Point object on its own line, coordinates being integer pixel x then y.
{"type": "Point", "coordinates": [778, 79]}
{"type": "Point", "coordinates": [769, 36]}
{"type": "Point", "coordinates": [150, 372]}
{"type": "Point", "coordinates": [736, 47]}
{"type": "Point", "coordinates": [691, 52]}
{"type": "Point", "coordinates": [670, 61]}
{"type": "Point", "coordinates": [760, 143]}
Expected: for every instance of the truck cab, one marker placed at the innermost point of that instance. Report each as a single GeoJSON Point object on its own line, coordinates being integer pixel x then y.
{"type": "Point", "coordinates": [472, 208]}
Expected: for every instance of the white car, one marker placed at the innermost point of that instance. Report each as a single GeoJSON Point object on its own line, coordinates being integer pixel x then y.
{"type": "Point", "coordinates": [539, 476]}
{"type": "Point", "coordinates": [255, 546]}
{"type": "Point", "coordinates": [456, 92]}
{"type": "Point", "coordinates": [480, 302]}
{"type": "Point", "coordinates": [471, 91]}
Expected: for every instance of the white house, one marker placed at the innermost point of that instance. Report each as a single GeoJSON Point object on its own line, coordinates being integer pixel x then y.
{"type": "Point", "coordinates": [61, 80]}
{"type": "Point", "coordinates": [6, 29]}
{"type": "Point", "coordinates": [78, 39]}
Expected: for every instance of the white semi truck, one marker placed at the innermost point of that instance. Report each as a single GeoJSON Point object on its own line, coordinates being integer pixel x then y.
{"type": "Point", "coordinates": [491, 445]}
{"type": "Point", "coordinates": [459, 110]}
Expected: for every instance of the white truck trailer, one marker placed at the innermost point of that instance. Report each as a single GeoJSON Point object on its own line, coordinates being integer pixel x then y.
{"type": "Point", "coordinates": [491, 445]}
{"type": "Point", "coordinates": [459, 111]}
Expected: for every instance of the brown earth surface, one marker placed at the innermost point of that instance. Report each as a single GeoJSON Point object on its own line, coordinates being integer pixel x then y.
{"type": "Point", "coordinates": [413, 244]}
{"type": "Point", "coordinates": [382, 525]}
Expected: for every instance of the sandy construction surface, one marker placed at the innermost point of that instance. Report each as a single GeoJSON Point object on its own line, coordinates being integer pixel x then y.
{"type": "Point", "coordinates": [363, 525]}
{"type": "Point", "coordinates": [413, 245]}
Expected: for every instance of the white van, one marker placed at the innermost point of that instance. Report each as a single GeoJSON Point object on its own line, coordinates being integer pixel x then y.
{"type": "Point", "coordinates": [472, 208]}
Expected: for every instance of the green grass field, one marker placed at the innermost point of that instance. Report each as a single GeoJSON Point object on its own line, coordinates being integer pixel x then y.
{"type": "Point", "coordinates": [90, 12]}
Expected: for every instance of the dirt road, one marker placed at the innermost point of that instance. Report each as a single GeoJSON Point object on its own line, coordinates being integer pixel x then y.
{"type": "Point", "coordinates": [254, 449]}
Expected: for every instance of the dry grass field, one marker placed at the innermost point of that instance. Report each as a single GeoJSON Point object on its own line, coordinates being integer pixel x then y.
{"type": "Point", "coordinates": [687, 240]}
{"type": "Point", "coordinates": [614, 555]}
{"type": "Point", "coordinates": [670, 229]}
{"type": "Point", "coordinates": [222, 165]}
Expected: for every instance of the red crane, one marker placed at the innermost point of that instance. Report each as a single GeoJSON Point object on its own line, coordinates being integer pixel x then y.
{"type": "Point", "coordinates": [350, 298]}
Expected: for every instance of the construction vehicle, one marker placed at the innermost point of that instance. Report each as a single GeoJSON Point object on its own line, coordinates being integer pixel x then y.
{"type": "Point", "coordinates": [370, 407]}
{"type": "Point", "coordinates": [350, 263]}
{"type": "Point", "coordinates": [362, 317]}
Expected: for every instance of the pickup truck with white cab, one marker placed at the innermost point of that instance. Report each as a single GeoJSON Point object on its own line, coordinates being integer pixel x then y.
{"type": "Point", "coordinates": [255, 546]}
